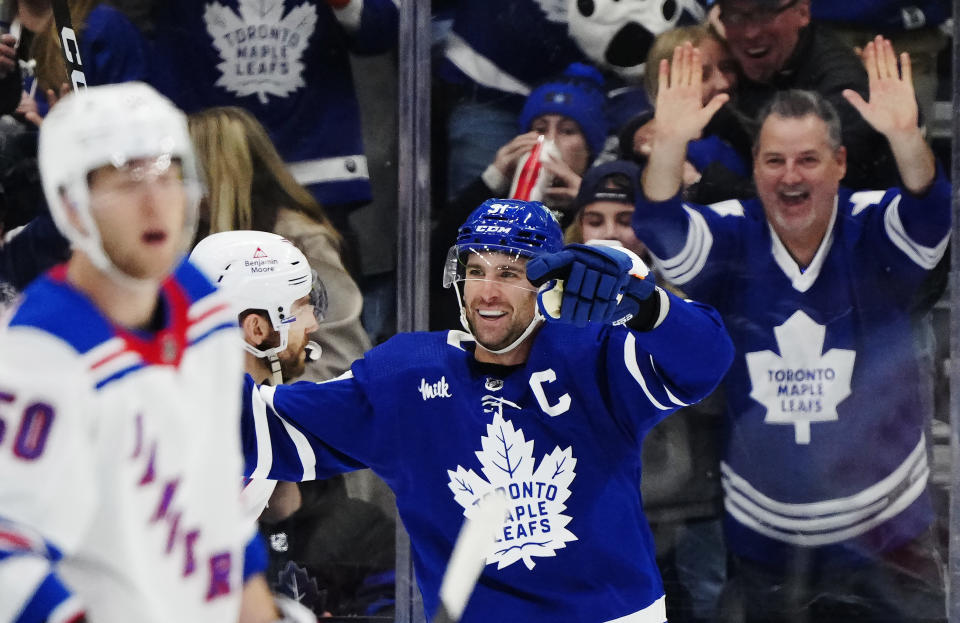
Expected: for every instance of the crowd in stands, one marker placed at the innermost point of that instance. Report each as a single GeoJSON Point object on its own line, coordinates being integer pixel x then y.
{"type": "Point", "coordinates": [821, 507]}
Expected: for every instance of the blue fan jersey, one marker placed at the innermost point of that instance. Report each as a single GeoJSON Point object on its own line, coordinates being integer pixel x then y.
{"type": "Point", "coordinates": [825, 445]}
{"type": "Point", "coordinates": [560, 434]}
{"type": "Point", "coordinates": [287, 62]}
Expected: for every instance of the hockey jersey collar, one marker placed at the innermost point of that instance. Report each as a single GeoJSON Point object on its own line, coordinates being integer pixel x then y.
{"type": "Point", "coordinates": [803, 279]}
{"type": "Point", "coordinates": [162, 347]}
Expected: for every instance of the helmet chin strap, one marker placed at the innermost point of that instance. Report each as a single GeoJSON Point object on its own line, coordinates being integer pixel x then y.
{"type": "Point", "coordinates": [534, 323]}
{"type": "Point", "coordinates": [275, 372]}
{"type": "Point", "coordinates": [271, 355]}
{"type": "Point", "coordinates": [312, 349]}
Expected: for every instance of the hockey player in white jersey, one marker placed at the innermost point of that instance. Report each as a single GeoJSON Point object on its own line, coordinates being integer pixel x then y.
{"type": "Point", "coordinates": [545, 400]}
{"type": "Point", "coordinates": [120, 380]}
{"type": "Point", "coordinates": [825, 468]}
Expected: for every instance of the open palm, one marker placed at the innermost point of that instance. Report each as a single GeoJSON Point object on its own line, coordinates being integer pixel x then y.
{"type": "Point", "coordinates": [680, 113]}
{"type": "Point", "coordinates": [893, 105]}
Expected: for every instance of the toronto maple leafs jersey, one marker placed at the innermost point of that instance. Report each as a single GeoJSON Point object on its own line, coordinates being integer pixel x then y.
{"type": "Point", "coordinates": [825, 444]}
{"type": "Point", "coordinates": [120, 460]}
{"type": "Point", "coordinates": [287, 62]}
{"type": "Point", "coordinates": [559, 434]}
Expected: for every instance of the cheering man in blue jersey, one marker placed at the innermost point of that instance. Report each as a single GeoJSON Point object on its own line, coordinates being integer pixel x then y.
{"type": "Point", "coordinates": [545, 397]}
{"type": "Point", "coordinates": [825, 468]}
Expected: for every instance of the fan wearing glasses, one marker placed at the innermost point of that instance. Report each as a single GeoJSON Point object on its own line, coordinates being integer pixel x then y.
{"type": "Point", "coordinates": [778, 47]}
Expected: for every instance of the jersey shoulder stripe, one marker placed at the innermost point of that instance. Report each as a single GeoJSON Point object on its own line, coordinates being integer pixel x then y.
{"type": "Point", "coordinates": [194, 283]}
{"type": "Point", "coordinates": [195, 312]}
{"type": "Point", "coordinates": [51, 305]}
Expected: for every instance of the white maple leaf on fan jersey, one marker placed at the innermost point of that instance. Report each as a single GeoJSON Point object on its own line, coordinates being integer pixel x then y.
{"type": "Point", "coordinates": [535, 524]}
{"type": "Point", "coordinates": [802, 385]}
{"type": "Point", "coordinates": [261, 47]}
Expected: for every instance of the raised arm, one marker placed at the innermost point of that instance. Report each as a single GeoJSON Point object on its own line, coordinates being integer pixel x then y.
{"type": "Point", "coordinates": [680, 118]}
{"type": "Point", "coordinates": [892, 111]}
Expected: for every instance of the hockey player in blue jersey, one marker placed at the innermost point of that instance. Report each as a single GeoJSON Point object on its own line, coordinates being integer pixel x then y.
{"type": "Point", "coordinates": [271, 286]}
{"type": "Point", "coordinates": [546, 397]}
{"type": "Point", "coordinates": [825, 465]}
{"type": "Point", "coordinates": [120, 384]}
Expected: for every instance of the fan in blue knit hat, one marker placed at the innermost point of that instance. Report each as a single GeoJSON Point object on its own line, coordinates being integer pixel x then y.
{"type": "Point", "coordinates": [563, 121]}
{"type": "Point", "coordinates": [577, 94]}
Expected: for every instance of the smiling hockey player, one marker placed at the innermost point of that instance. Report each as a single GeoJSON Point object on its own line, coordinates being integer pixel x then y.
{"type": "Point", "coordinates": [550, 413]}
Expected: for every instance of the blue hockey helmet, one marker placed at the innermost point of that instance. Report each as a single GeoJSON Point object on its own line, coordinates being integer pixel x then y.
{"type": "Point", "coordinates": [511, 226]}
{"type": "Point", "coordinates": [526, 227]}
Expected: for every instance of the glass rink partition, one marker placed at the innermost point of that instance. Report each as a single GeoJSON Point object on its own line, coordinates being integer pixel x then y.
{"type": "Point", "coordinates": [438, 115]}
{"type": "Point", "coordinates": [441, 115]}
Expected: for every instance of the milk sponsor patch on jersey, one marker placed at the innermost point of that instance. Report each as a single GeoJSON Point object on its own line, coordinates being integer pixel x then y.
{"type": "Point", "coordinates": [439, 389]}
{"type": "Point", "coordinates": [261, 47]}
{"type": "Point", "coordinates": [535, 524]}
{"type": "Point", "coordinates": [802, 385]}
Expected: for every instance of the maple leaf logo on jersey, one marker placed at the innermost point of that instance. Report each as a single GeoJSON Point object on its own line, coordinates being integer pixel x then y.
{"type": "Point", "coordinates": [535, 524]}
{"type": "Point", "coordinates": [804, 385]}
{"type": "Point", "coordinates": [261, 47]}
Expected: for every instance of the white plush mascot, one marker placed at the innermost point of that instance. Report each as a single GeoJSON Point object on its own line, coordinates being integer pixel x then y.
{"type": "Point", "coordinates": [617, 34]}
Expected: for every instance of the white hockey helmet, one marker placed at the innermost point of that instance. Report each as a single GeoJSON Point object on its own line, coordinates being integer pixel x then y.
{"type": "Point", "coordinates": [261, 271]}
{"type": "Point", "coordinates": [110, 125]}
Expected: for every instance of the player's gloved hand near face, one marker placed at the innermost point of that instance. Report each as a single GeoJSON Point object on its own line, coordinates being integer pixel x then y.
{"type": "Point", "coordinates": [601, 284]}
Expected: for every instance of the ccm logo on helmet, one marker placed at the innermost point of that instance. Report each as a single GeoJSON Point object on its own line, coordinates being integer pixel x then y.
{"type": "Point", "coordinates": [492, 229]}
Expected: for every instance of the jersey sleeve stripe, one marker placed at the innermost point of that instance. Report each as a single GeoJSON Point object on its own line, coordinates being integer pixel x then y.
{"type": "Point", "coordinates": [70, 611]}
{"type": "Point", "coordinates": [630, 359]}
{"type": "Point", "coordinates": [925, 257]}
{"type": "Point", "coordinates": [102, 354]}
{"type": "Point", "coordinates": [197, 314]}
{"type": "Point", "coordinates": [688, 263]}
{"type": "Point", "coordinates": [215, 318]}
{"type": "Point", "coordinates": [654, 613]}
{"type": "Point", "coordinates": [35, 594]}
{"type": "Point", "coordinates": [827, 521]}
{"type": "Point", "coordinates": [809, 539]}
{"type": "Point", "coordinates": [264, 445]}
{"type": "Point", "coordinates": [113, 364]}
{"type": "Point", "coordinates": [307, 457]}
{"type": "Point", "coordinates": [304, 451]}
{"type": "Point", "coordinates": [208, 305]}
{"type": "Point", "coordinates": [119, 375]}
{"type": "Point", "coordinates": [670, 395]}
{"type": "Point", "coordinates": [220, 327]}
